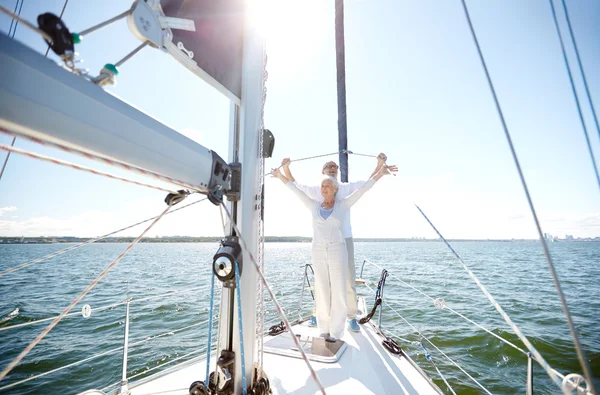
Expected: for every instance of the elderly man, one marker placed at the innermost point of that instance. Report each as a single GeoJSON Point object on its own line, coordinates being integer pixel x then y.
{"type": "Point", "coordinates": [345, 189]}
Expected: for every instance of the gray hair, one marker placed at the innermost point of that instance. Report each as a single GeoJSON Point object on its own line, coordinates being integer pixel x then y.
{"type": "Point", "coordinates": [334, 182]}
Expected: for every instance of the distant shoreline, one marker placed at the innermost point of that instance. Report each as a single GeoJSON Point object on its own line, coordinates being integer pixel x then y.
{"type": "Point", "coordinates": [268, 239]}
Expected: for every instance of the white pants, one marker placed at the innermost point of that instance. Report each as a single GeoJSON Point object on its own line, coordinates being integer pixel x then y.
{"type": "Point", "coordinates": [351, 282]}
{"type": "Point", "coordinates": [331, 269]}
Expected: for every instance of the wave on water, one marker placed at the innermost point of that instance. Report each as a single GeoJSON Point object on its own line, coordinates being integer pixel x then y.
{"type": "Point", "coordinates": [12, 315]}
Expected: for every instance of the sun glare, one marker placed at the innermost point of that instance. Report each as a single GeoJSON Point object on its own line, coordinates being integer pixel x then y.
{"type": "Point", "coordinates": [290, 27]}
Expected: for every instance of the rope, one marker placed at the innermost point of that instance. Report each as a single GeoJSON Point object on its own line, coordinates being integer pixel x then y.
{"type": "Point", "coordinates": [77, 300]}
{"type": "Point", "coordinates": [580, 352]}
{"type": "Point", "coordinates": [575, 96]}
{"type": "Point", "coordinates": [455, 312]}
{"type": "Point", "coordinates": [397, 337]}
{"type": "Point", "coordinates": [77, 167]}
{"type": "Point", "coordinates": [104, 160]}
{"type": "Point", "coordinates": [378, 297]}
{"type": "Point", "coordinates": [430, 342]}
{"type": "Point", "coordinates": [277, 305]}
{"type": "Point", "coordinates": [210, 317]}
{"type": "Point", "coordinates": [587, 90]}
{"type": "Point", "coordinates": [240, 326]}
{"type": "Point", "coordinates": [28, 263]}
{"type": "Point", "coordinates": [391, 345]}
{"type": "Point", "coordinates": [508, 320]}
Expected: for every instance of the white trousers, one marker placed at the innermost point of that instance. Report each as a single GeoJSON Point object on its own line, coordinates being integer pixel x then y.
{"type": "Point", "coordinates": [330, 264]}
{"type": "Point", "coordinates": [351, 280]}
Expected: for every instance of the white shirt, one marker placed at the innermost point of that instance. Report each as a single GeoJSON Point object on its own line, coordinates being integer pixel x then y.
{"type": "Point", "coordinates": [345, 190]}
{"type": "Point", "coordinates": [331, 230]}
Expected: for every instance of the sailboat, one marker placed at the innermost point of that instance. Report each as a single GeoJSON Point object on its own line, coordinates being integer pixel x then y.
{"type": "Point", "coordinates": [75, 114]}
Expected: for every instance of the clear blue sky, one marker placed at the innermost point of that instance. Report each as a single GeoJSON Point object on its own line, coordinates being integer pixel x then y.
{"type": "Point", "coordinates": [415, 90]}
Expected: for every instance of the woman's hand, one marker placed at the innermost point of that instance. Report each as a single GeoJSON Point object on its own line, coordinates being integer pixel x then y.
{"type": "Point", "coordinates": [385, 170]}
{"type": "Point", "coordinates": [277, 174]}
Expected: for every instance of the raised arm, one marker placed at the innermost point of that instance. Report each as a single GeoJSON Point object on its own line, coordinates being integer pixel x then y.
{"type": "Point", "coordinates": [308, 202]}
{"type": "Point", "coordinates": [285, 163]}
{"type": "Point", "coordinates": [356, 195]}
{"type": "Point", "coordinates": [381, 158]}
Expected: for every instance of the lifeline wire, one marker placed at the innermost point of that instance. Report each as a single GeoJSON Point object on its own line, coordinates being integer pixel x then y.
{"type": "Point", "coordinates": [508, 320]}
{"type": "Point", "coordinates": [77, 300]}
{"type": "Point", "coordinates": [430, 342]}
{"type": "Point", "coordinates": [563, 300]}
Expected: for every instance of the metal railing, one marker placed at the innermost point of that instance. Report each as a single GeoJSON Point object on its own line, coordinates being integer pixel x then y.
{"type": "Point", "coordinates": [441, 304]}
{"type": "Point", "coordinates": [86, 311]}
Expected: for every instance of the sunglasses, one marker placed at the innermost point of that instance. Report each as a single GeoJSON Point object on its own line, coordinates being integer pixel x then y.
{"type": "Point", "coordinates": [331, 166]}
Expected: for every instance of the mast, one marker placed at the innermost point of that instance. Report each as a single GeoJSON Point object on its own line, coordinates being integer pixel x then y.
{"type": "Point", "coordinates": [340, 62]}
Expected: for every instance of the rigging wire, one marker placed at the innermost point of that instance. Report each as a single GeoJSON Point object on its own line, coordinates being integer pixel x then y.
{"type": "Point", "coordinates": [563, 300]}
{"type": "Point", "coordinates": [11, 34]}
{"type": "Point", "coordinates": [78, 299]}
{"type": "Point", "coordinates": [62, 12]}
{"type": "Point", "coordinates": [574, 90]}
{"type": "Point", "coordinates": [15, 22]}
{"type": "Point", "coordinates": [585, 84]}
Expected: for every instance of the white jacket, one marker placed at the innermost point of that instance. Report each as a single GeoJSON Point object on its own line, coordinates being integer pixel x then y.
{"type": "Point", "coordinates": [345, 189]}
{"type": "Point", "coordinates": [329, 231]}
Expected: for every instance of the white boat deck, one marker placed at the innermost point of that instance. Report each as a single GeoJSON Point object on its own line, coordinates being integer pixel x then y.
{"type": "Point", "coordinates": [365, 367]}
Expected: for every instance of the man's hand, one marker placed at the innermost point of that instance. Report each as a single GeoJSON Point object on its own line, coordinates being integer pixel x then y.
{"type": "Point", "coordinates": [381, 158]}
{"type": "Point", "coordinates": [286, 162]}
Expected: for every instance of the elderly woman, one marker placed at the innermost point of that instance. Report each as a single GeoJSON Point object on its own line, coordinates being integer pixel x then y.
{"type": "Point", "coordinates": [329, 256]}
